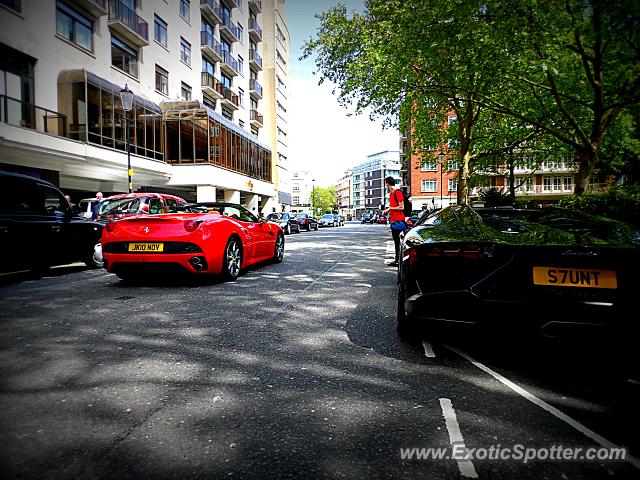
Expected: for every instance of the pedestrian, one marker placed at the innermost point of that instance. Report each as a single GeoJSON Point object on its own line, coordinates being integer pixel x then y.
{"type": "Point", "coordinates": [396, 214]}
{"type": "Point", "coordinates": [95, 206]}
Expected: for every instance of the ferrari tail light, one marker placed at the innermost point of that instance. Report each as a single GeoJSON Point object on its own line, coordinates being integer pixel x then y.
{"type": "Point", "coordinates": [191, 225]}
{"type": "Point", "coordinates": [111, 226]}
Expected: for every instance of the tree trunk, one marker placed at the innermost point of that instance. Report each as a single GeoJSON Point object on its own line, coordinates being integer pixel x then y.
{"type": "Point", "coordinates": [512, 181]}
{"type": "Point", "coordinates": [586, 160]}
{"type": "Point", "coordinates": [463, 180]}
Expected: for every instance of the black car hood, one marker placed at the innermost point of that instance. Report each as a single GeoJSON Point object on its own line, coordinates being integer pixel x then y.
{"type": "Point", "coordinates": [550, 226]}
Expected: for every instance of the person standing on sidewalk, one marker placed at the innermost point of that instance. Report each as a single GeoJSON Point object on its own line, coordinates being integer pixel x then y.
{"type": "Point", "coordinates": [396, 213]}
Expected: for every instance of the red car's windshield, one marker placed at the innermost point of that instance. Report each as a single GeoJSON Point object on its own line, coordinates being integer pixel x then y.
{"type": "Point", "coordinates": [120, 206]}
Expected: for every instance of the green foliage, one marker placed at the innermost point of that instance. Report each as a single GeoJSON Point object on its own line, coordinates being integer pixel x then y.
{"type": "Point", "coordinates": [620, 203]}
{"type": "Point", "coordinates": [546, 77]}
{"type": "Point", "coordinates": [323, 199]}
{"type": "Point", "coordinates": [494, 197]}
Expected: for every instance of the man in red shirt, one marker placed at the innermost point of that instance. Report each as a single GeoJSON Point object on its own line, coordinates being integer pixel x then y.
{"type": "Point", "coordinates": [396, 213]}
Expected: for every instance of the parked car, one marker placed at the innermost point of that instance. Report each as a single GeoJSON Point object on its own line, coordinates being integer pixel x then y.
{"type": "Point", "coordinates": [38, 228]}
{"type": "Point", "coordinates": [553, 271]}
{"type": "Point", "coordinates": [85, 207]}
{"type": "Point", "coordinates": [306, 221]}
{"type": "Point", "coordinates": [130, 204]}
{"type": "Point", "coordinates": [382, 219]}
{"type": "Point", "coordinates": [286, 222]}
{"type": "Point", "coordinates": [222, 242]}
{"type": "Point", "coordinates": [339, 219]}
{"type": "Point", "coordinates": [367, 217]}
{"type": "Point", "coordinates": [327, 220]}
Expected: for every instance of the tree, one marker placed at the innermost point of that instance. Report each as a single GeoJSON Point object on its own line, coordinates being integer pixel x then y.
{"type": "Point", "coordinates": [559, 70]}
{"type": "Point", "coordinates": [324, 199]}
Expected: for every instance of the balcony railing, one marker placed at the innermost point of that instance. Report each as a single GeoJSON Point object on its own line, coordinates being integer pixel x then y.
{"type": "Point", "coordinates": [255, 32]}
{"type": "Point", "coordinates": [228, 95]}
{"type": "Point", "coordinates": [255, 5]}
{"type": "Point", "coordinates": [229, 63]}
{"type": "Point", "coordinates": [213, 84]}
{"type": "Point", "coordinates": [255, 58]}
{"type": "Point", "coordinates": [211, 45]}
{"type": "Point", "coordinates": [20, 114]}
{"type": "Point", "coordinates": [256, 118]}
{"type": "Point", "coordinates": [229, 28]}
{"type": "Point", "coordinates": [254, 86]}
{"type": "Point", "coordinates": [120, 13]}
{"type": "Point", "coordinates": [211, 10]}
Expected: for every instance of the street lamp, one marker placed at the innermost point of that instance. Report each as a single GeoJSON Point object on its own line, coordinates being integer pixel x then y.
{"type": "Point", "coordinates": [313, 186]}
{"type": "Point", "coordinates": [126, 96]}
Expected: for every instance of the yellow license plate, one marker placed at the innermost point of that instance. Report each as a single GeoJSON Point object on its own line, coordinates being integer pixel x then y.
{"type": "Point", "coordinates": [146, 247]}
{"type": "Point", "coordinates": [575, 277]}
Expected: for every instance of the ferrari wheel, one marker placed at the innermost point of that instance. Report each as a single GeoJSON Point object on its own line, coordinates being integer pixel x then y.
{"type": "Point", "coordinates": [232, 260]}
{"type": "Point", "coordinates": [316, 227]}
{"type": "Point", "coordinates": [278, 250]}
{"type": "Point", "coordinates": [287, 230]}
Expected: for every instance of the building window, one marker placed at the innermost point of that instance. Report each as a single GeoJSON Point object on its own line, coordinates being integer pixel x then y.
{"type": "Point", "coordinates": [208, 101]}
{"type": "Point", "coordinates": [241, 123]}
{"type": "Point", "coordinates": [241, 97]}
{"type": "Point", "coordinates": [451, 119]}
{"type": "Point", "coordinates": [160, 31]}
{"type": "Point", "coordinates": [281, 60]}
{"type": "Point", "coordinates": [430, 165]}
{"type": "Point", "coordinates": [429, 186]}
{"type": "Point", "coordinates": [296, 188]}
{"type": "Point", "coordinates": [281, 86]}
{"type": "Point", "coordinates": [546, 184]}
{"type": "Point", "coordinates": [226, 113]}
{"type": "Point", "coordinates": [240, 65]}
{"type": "Point", "coordinates": [185, 91]}
{"type": "Point", "coordinates": [254, 130]}
{"type": "Point", "coordinates": [453, 185]}
{"type": "Point", "coordinates": [567, 183]}
{"type": "Point", "coordinates": [557, 184]}
{"type": "Point", "coordinates": [225, 80]}
{"type": "Point", "coordinates": [124, 57]}
{"type": "Point", "coordinates": [185, 51]}
{"type": "Point", "coordinates": [452, 165]}
{"type": "Point", "coordinates": [280, 35]}
{"type": "Point", "coordinates": [74, 27]}
{"type": "Point", "coordinates": [162, 80]}
{"type": "Point", "coordinates": [240, 33]}
{"type": "Point", "coordinates": [296, 200]}
{"type": "Point", "coordinates": [185, 9]}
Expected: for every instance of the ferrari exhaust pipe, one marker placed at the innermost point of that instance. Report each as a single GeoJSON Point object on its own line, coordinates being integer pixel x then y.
{"type": "Point", "coordinates": [198, 263]}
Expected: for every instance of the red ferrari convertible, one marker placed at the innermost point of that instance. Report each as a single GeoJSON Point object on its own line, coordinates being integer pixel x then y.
{"type": "Point", "coordinates": [213, 239]}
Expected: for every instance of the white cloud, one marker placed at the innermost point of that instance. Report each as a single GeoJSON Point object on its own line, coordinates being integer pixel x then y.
{"type": "Point", "coordinates": [323, 139]}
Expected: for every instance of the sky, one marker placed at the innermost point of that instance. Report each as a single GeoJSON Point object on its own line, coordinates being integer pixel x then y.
{"type": "Point", "coordinates": [322, 139]}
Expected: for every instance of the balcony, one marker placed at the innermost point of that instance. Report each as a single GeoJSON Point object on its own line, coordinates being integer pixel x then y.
{"type": "Point", "coordinates": [124, 21]}
{"type": "Point", "coordinates": [229, 98]}
{"type": "Point", "coordinates": [212, 86]}
{"type": "Point", "coordinates": [95, 8]}
{"type": "Point", "coordinates": [231, 4]}
{"type": "Point", "coordinates": [255, 60]}
{"type": "Point", "coordinates": [211, 10]}
{"type": "Point", "coordinates": [229, 65]}
{"type": "Point", "coordinates": [255, 89]}
{"type": "Point", "coordinates": [256, 119]}
{"type": "Point", "coordinates": [228, 29]}
{"type": "Point", "coordinates": [26, 115]}
{"type": "Point", "coordinates": [255, 32]}
{"type": "Point", "coordinates": [255, 6]}
{"type": "Point", "coordinates": [210, 46]}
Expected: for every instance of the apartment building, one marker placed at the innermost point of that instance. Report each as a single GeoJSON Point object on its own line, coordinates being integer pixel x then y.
{"type": "Point", "coordinates": [199, 126]}
{"type": "Point", "coordinates": [302, 184]}
{"type": "Point", "coordinates": [369, 192]}
{"type": "Point", "coordinates": [344, 194]}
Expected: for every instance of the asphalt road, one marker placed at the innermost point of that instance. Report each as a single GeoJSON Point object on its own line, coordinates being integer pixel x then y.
{"type": "Point", "coordinates": [293, 371]}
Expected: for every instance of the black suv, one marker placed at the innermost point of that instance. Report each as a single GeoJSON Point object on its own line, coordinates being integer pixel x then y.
{"type": "Point", "coordinates": [38, 229]}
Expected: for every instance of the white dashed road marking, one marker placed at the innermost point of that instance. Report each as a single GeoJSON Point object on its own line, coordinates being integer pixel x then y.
{"type": "Point", "coordinates": [428, 349]}
{"type": "Point", "coordinates": [549, 408]}
{"type": "Point", "coordinates": [455, 437]}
